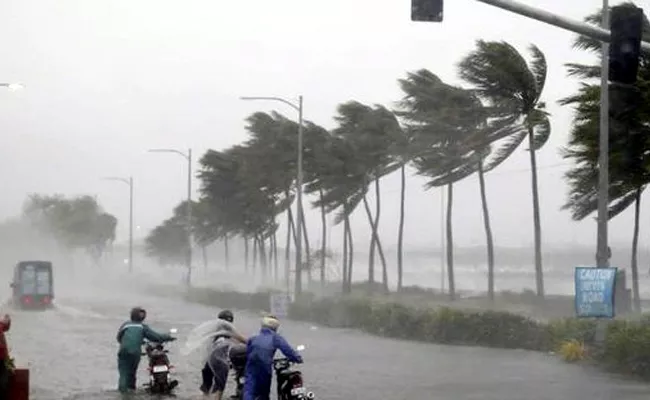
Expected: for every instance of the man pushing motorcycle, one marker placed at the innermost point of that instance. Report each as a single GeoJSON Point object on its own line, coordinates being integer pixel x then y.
{"type": "Point", "coordinates": [130, 336]}
{"type": "Point", "coordinates": [217, 365]}
{"type": "Point", "coordinates": [260, 351]}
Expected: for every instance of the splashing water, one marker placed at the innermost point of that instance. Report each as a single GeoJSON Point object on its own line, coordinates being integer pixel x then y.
{"type": "Point", "coordinates": [200, 338]}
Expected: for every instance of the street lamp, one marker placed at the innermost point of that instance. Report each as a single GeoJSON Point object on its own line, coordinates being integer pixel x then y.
{"type": "Point", "coordinates": [128, 181]}
{"type": "Point", "coordinates": [188, 157]}
{"type": "Point", "coordinates": [297, 107]}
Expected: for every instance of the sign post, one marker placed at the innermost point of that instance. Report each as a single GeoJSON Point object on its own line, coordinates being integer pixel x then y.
{"type": "Point", "coordinates": [594, 296]}
{"type": "Point", "coordinates": [280, 304]}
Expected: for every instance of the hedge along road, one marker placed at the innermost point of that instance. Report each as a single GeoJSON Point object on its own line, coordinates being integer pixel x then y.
{"type": "Point", "coordinates": [71, 354]}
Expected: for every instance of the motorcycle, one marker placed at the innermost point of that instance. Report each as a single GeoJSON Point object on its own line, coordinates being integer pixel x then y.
{"type": "Point", "coordinates": [289, 381]}
{"type": "Point", "coordinates": [238, 363]}
{"type": "Point", "coordinates": [159, 367]}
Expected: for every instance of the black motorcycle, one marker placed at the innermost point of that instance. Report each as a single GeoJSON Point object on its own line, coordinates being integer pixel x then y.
{"type": "Point", "coordinates": [289, 380]}
{"type": "Point", "coordinates": [238, 363]}
{"type": "Point", "coordinates": [159, 367]}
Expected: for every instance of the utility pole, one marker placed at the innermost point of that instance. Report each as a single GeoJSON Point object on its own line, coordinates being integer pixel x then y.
{"type": "Point", "coordinates": [128, 181]}
{"type": "Point", "coordinates": [187, 156]}
{"type": "Point", "coordinates": [602, 256]}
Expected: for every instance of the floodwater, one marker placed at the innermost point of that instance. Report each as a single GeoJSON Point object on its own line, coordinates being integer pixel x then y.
{"type": "Point", "coordinates": [71, 352]}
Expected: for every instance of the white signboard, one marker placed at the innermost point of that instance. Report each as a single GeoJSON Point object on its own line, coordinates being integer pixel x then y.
{"type": "Point", "coordinates": [280, 304]}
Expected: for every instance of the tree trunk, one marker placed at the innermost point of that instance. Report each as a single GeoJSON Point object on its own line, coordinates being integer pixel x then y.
{"type": "Point", "coordinates": [293, 227]}
{"type": "Point", "coordinates": [344, 270]}
{"type": "Point", "coordinates": [539, 273]}
{"type": "Point", "coordinates": [488, 232]}
{"type": "Point", "coordinates": [275, 257]}
{"type": "Point", "coordinates": [263, 263]}
{"type": "Point", "coordinates": [287, 253]}
{"type": "Point", "coordinates": [371, 253]}
{"type": "Point", "coordinates": [307, 248]}
{"type": "Point", "coordinates": [226, 250]}
{"type": "Point", "coordinates": [400, 231]}
{"type": "Point", "coordinates": [204, 254]}
{"type": "Point", "coordinates": [246, 250]}
{"type": "Point", "coordinates": [375, 236]}
{"type": "Point", "coordinates": [350, 256]}
{"type": "Point", "coordinates": [635, 245]}
{"type": "Point", "coordinates": [384, 270]}
{"type": "Point", "coordinates": [255, 247]}
{"type": "Point", "coordinates": [450, 243]}
{"type": "Point", "coordinates": [323, 247]}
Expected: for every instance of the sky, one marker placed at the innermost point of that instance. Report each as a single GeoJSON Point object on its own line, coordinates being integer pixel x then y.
{"type": "Point", "coordinates": [107, 80]}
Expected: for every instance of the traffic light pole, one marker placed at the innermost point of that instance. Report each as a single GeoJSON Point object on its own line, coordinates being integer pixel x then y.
{"type": "Point", "coordinates": [582, 28]}
{"type": "Point", "coordinates": [602, 248]}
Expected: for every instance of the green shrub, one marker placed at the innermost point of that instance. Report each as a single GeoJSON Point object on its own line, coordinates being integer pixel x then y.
{"type": "Point", "coordinates": [626, 347]}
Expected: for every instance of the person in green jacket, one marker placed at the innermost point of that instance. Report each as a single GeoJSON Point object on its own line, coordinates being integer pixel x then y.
{"type": "Point", "coordinates": [131, 336]}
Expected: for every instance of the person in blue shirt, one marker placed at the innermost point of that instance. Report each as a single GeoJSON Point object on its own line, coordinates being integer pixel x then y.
{"type": "Point", "coordinates": [130, 336]}
{"type": "Point", "coordinates": [260, 351]}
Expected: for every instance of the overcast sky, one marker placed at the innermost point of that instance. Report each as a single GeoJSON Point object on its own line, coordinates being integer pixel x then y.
{"type": "Point", "coordinates": [106, 80]}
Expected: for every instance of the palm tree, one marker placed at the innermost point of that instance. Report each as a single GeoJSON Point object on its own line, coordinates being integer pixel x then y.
{"type": "Point", "coordinates": [316, 160]}
{"type": "Point", "coordinates": [629, 145]}
{"type": "Point", "coordinates": [513, 88]}
{"type": "Point", "coordinates": [370, 131]}
{"type": "Point", "coordinates": [342, 183]}
{"type": "Point", "coordinates": [443, 121]}
{"type": "Point", "coordinates": [167, 242]}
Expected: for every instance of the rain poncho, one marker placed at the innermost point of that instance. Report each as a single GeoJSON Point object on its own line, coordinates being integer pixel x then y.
{"type": "Point", "coordinates": [260, 351]}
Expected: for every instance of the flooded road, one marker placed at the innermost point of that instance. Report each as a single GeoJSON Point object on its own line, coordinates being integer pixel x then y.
{"type": "Point", "coordinates": [71, 352]}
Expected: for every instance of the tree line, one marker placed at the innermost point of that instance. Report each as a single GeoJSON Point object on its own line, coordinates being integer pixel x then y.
{"type": "Point", "coordinates": [446, 132]}
{"type": "Point", "coordinates": [77, 223]}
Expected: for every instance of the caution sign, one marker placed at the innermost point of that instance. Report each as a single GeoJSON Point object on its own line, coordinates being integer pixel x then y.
{"type": "Point", "coordinates": [280, 304]}
{"type": "Point", "coordinates": [595, 292]}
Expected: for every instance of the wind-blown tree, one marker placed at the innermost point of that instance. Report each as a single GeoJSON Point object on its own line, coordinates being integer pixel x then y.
{"type": "Point", "coordinates": [512, 89]}
{"type": "Point", "coordinates": [402, 150]}
{"type": "Point", "coordinates": [168, 242]}
{"type": "Point", "coordinates": [629, 160]}
{"type": "Point", "coordinates": [275, 137]}
{"type": "Point", "coordinates": [342, 181]}
{"type": "Point", "coordinates": [443, 121]}
{"type": "Point", "coordinates": [371, 132]}
{"type": "Point", "coordinates": [236, 187]}
{"type": "Point", "coordinates": [316, 160]}
{"type": "Point", "coordinates": [76, 223]}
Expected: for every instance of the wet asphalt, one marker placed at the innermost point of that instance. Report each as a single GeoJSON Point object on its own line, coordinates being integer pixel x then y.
{"type": "Point", "coordinates": [71, 353]}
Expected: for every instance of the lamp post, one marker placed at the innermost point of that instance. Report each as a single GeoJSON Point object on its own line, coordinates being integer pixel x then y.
{"type": "Point", "coordinates": [128, 181]}
{"type": "Point", "coordinates": [188, 157]}
{"type": "Point", "coordinates": [299, 178]}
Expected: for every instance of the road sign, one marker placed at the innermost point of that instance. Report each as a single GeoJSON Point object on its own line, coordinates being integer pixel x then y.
{"type": "Point", "coordinates": [594, 292]}
{"type": "Point", "coordinates": [280, 304]}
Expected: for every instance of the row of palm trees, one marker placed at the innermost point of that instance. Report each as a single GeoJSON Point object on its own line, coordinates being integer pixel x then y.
{"type": "Point", "coordinates": [446, 132]}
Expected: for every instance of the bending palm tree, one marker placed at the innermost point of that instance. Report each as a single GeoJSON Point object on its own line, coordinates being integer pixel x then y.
{"type": "Point", "coordinates": [513, 88]}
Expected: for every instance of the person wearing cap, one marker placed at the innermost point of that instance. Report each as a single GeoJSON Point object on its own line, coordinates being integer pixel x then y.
{"type": "Point", "coordinates": [260, 351]}
{"type": "Point", "coordinates": [131, 336]}
{"type": "Point", "coordinates": [217, 365]}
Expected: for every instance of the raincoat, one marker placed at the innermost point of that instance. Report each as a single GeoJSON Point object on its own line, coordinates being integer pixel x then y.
{"type": "Point", "coordinates": [130, 336]}
{"type": "Point", "coordinates": [259, 362]}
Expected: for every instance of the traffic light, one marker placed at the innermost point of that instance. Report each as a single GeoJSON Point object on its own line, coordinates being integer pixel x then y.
{"type": "Point", "coordinates": [625, 45]}
{"type": "Point", "coordinates": [426, 10]}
